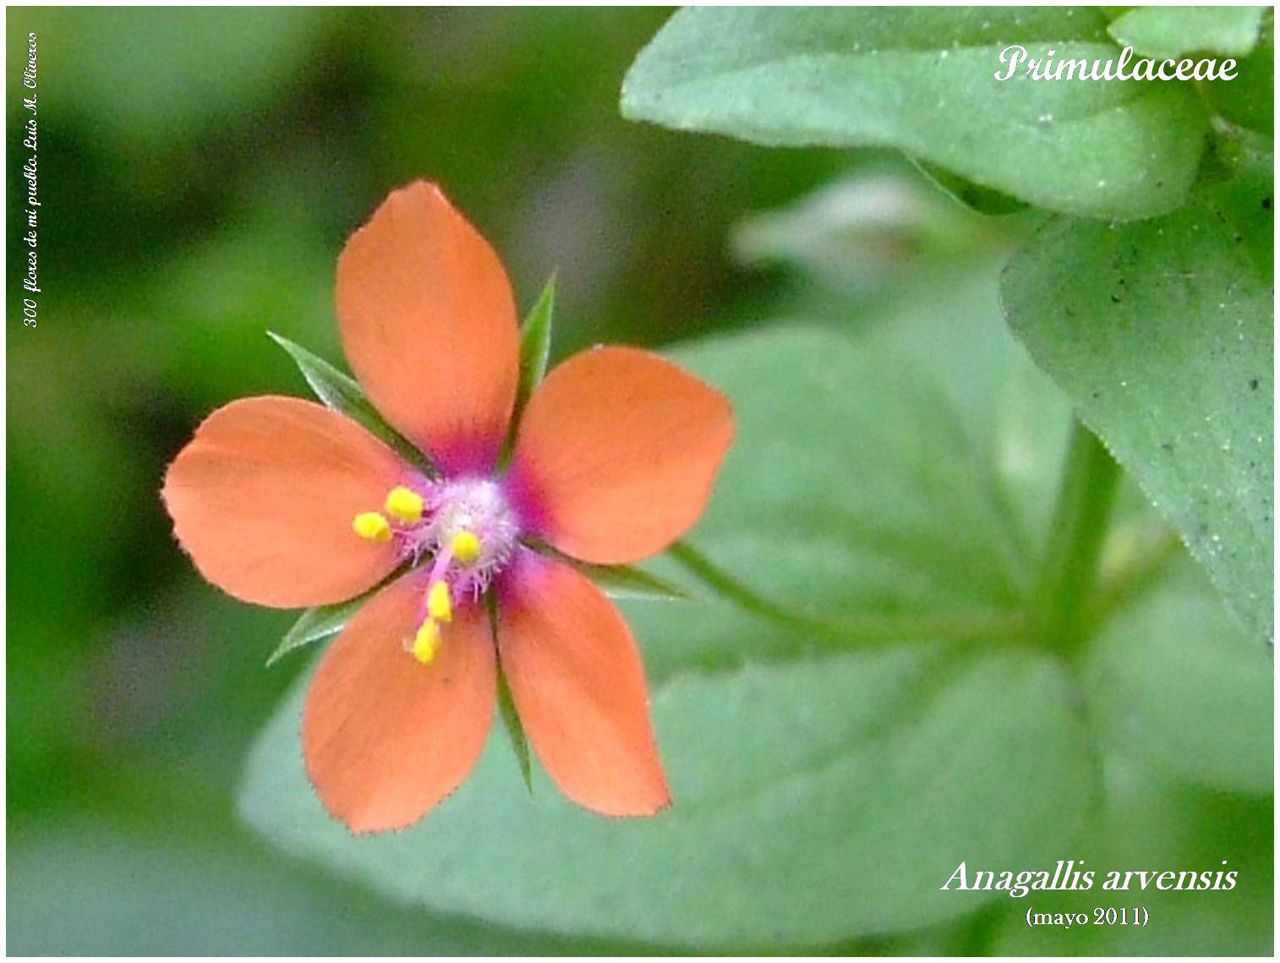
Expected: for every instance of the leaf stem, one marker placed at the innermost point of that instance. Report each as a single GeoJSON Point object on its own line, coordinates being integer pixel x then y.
{"type": "Point", "coordinates": [847, 633]}
{"type": "Point", "coordinates": [1069, 568]}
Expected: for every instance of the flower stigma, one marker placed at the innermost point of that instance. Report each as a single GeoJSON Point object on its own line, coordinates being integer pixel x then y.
{"type": "Point", "coordinates": [467, 529]}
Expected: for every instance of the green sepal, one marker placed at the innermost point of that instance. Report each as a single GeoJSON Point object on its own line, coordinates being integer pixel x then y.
{"type": "Point", "coordinates": [629, 582]}
{"type": "Point", "coordinates": [344, 395]}
{"type": "Point", "coordinates": [617, 581]}
{"type": "Point", "coordinates": [535, 345]}
{"type": "Point", "coordinates": [316, 623]}
{"type": "Point", "coordinates": [511, 719]}
{"type": "Point", "coordinates": [507, 707]}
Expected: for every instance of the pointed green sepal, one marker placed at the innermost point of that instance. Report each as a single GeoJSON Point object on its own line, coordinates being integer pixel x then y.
{"type": "Point", "coordinates": [511, 719]}
{"type": "Point", "coordinates": [617, 581]}
{"type": "Point", "coordinates": [507, 706]}
{"type": "Point", "coordinates": [341, 393]}
{"type": "Point", "coordinates": [535, 345]}
{"type": "Point", "coordinates": [629, 582]}
{"type": "Point", "coordinates": [314, 624]}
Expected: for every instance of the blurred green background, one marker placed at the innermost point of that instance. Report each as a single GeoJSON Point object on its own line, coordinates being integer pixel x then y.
{"type": "Point", "coordinates": [199, 173]}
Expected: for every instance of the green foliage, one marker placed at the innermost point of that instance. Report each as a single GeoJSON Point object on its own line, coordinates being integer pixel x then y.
{"type": "Point", "coordinates": [787, 774]}
{"type": "Point", "coordinates": [1172, 687]}
{"type": "Point", "coordinates": [1172, 32]}
{"type": "Point", "coordinates": [146, 888]}
{"type": "Point", "coordinates": [1161, 333]}
{"type": "Point", "coordinates": [1249, 99]}
{"type": "Point", "coordinates": [796, 755]}
{"type": "Point", "coordinates": [1121, 317]}
{"type": "Point", "coordinates": [981, 199]}
{"type": "Point", "coordinates": [1149, 823]}
{"type": "Point", "coordinates": [923, 81]}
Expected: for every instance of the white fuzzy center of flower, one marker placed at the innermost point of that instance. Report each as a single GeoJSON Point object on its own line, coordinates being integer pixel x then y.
{"type": "Point", "coordinates": [467, 529]}
{"type": "Point", "coordinates": [470, 519]}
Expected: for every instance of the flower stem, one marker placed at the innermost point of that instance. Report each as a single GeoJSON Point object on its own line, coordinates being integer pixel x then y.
{"type": "Point", "coordinates": [847, 633]}
{"type": "Point", "coordinates": [1069, 568]}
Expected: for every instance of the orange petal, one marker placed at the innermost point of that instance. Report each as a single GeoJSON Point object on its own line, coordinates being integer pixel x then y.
{"type": "Point", "coordinates": [386, 737]}
{"type": "Point", "coordinates": [578, 685]}
{"type": "Point", "coordinates": [263, 497]}
{"type": "Point", "coordinates": [616, 454]}
{"type": "Point", "coordinates": [429, 326]}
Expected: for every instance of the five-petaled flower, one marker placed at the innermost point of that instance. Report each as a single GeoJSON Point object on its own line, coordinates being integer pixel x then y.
{"type": "Point", "coordinates": [286, 503]}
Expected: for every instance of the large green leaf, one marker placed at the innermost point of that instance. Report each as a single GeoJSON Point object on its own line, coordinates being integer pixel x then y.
{"type": "Point", "coordinates": [1161, 333]}
{"type": "Point", "coordinates": [820, 793]}
{"type": "Point", "coordinates": [1173, 682]}
{"type": "Point", "coordinates": [825, 781]}
{"type": "Point", "coordinates": [923, 80]}
{"type": "Point", "coordinates": [814, 800]}
{"type": "Point", "coordinates": [1150, 824]}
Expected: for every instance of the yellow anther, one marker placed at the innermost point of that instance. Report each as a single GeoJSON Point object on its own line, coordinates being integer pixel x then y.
{"type": "Point", "coordinates": [427, 642]}
{"type": "Point", "coordinates": [404, 505]}
{"type": "Point", "coordinates": [438, 603]}
{"type": "Point", "coordinates": [466, 547]}
{"type": "Point", "coordinates": [372, 525]}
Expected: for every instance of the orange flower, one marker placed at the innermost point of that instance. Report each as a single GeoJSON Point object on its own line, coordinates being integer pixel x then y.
{"type": "Point", "coordinates": [286, 503]}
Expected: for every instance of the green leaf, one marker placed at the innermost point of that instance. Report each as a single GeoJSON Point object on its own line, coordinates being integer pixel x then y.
{"type": "Point", "coordinates": [1175, 684]}
{"type": "Point", "coordinates": [343, 394]}
{"type": "Point", "coordinates": [1249, 98]}
{"type": "Point", "coordinates": [900, 467]}
{"type": "Point", "coordinates": [799, 815]}
{"type": "Point", "coordinates": [975, 196]}
{"type": "Point", "coordinates": [1148, 823]}
{"type": "Point", "coordinates": [793, 775]}
{"type": "Point", "coordinates": [923, 80]}
{"type": "Point", "coordinates": [315, 624]}
{"type": "Point", "coordinates": [535, 346]}
{"type": "Point", "coordinates": [1161, 333]}
{"type": "Point", "coordinates": [1173, 32]}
